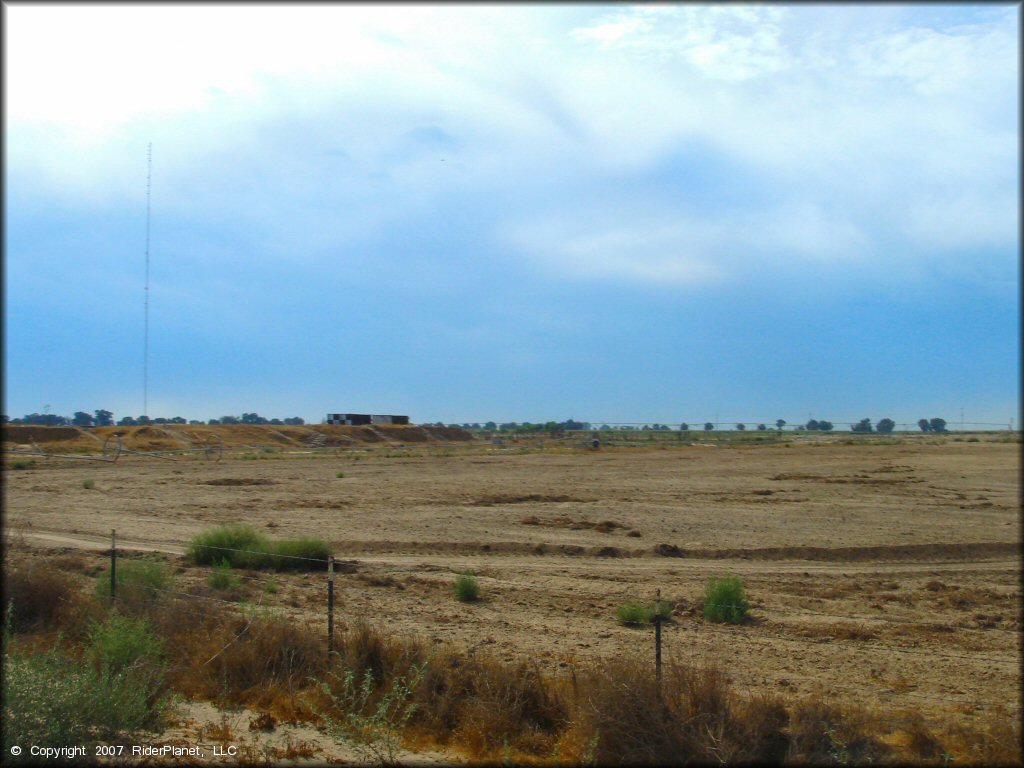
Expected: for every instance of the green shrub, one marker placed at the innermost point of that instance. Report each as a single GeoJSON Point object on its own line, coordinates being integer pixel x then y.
{"type": "Point", "coordinates": [139, 584]}
{"type": "Point", "coordinates": [725, 600]}
{"type": "Point", "coordinates": [218, 545]}
{"type": "Point", "coordinates": [283, 554]}
{"type": "Point", "coordinates": [23, 463]}
{"type": "Point", "coordinates": [374, 731]}
{"type": "Point", "coordinates": [634, 613]}
{"type": "Point", "coordinates": [53, 701]}
{"type": "Point", "coordinates": [242, 546]}
{"type": "Point", "coordinates": [222, 578]}
{"type": "Point", "coordinates": [467, 589]}
{"type": "Point", "coordinates": [339, 474]}
{"type": "Point", "coordinates": [120, 643]}
{"type": "Point", "coordinates": [89, 484]}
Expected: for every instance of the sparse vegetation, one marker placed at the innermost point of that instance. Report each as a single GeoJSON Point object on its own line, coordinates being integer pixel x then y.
{"type": "Point", "coordinates": [339, 474]}
{"type": "Point", "coordinates": [374, 730]}
{"type": "Point", "coordinates": [222, 578]}
{"type": "Point", "coordinates": [33, 597]}
{"type": "Point", "coordinates": [636, 613]}
{"type": "Point", "coordinates": [88, 484]}
{"type": "Point", "coordinates": [242, 546]}
{"type": "Point", "coordinates": [139, 584]}
{"type": "Point", "coordinates": [467, 588]}
{"type": "Point", "coordinates": [725, 600]}
{"type": "Point", "coordinates": [53, 700]}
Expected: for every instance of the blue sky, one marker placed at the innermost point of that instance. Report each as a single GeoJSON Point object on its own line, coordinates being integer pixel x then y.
{"type": "Point", "coordinates": [515, 212]}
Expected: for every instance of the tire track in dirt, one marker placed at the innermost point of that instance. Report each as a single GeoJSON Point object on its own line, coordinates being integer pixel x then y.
{"type": "Point", "coordinates": [984, 555]}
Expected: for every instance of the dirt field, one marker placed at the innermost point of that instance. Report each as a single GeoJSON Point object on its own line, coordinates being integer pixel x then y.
{"type": "Point", "coordinates": [887, 573]}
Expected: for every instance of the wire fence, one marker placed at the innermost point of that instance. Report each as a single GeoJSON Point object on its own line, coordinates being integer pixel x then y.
{"type": "Point", "coordinates": [684, 633]}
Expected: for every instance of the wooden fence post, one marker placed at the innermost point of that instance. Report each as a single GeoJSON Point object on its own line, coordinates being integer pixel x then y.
{"type": "Point", "coordinates": [113, 564]}
{"type": "Point", "coordinates": [657, 639]}
{"type": "Point", "coordinates": [330, 607]}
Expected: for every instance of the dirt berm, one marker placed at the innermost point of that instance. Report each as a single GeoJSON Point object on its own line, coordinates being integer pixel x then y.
{"type": "Point", "coordinates": [169, 437]}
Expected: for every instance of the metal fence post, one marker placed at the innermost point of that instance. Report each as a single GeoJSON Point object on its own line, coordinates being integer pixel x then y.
{"type": "Point", "coordinates": [330, 607]}
{"type": "Point", "coordinates": [113, 564]}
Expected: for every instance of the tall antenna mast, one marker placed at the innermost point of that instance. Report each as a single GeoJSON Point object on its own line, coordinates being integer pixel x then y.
{"type": "Point", "coordinates": [145, 335]}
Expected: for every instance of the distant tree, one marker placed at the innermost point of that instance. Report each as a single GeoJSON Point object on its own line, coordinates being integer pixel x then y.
{"type": "Point", "coordinates": [194, 421]}
{"type": "Point", "coordinates": [277, 422]}
{"type": "Point", "coordinates": [230, 420]}
{"type": "Point", "coordinates": [126, 421]}
{"type": "Point", "coordinates": [82, 419]}
{"type": "Point", "coordinates": [708, 426]}
{"type": "Point", "coordinates": [490, 425]}
{"type": "Point", "coordinates": [104, 418]}
{"type": "Point", "coordinates": [252, 418]}
{"type": "Point", "coordinates": [864, 425]}
{"type": "Point", "coordinates": [813, 425]}
{"type": "Point", "coordinates": [46, 419]}
{"type": "Point", "coordinates": [885, 426]}
{"type": "Point", "coordinates": [761, 427]}
{"type": "Point", "coordinates": [924, 424]}
{"type": "Point", "coordinates": [684, 427]}
{"type": "Point", "coordinates": [161, 420]}
{"type": "Point", "coordinates": [937, 425]}
{"type": "Point", "coordinates": [780, 423]}
{"type": "Point", "coordinates": [295, 421]}
{"type": "Point", "coordinates": [825, 426]}
{"type": "Point", "coordinates": [144, 420]}
{"type": "Point", "coordinates": [741, 427]}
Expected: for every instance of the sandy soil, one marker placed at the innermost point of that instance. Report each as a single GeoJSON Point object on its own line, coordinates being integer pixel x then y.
{"type": "Point", "coordinates": [887, 574]}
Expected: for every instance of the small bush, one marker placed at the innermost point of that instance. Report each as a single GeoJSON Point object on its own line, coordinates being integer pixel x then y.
{"type": "Point", "coordinates": [220, 544]}
{"type": "Point", "coordinates": [120, 643]}
{"type": "Point", "coordinates": [725, 600]}
{"type": "Point", "coordinates": [304, 554]}
{"type": "Point", "coordinates": [634, 613]}
{"type": "Point", "coordinates": [33, 597]}
{"type": "Point", "coordinates": [242, 546]}
{"type": "Point", "coordinates": [339, 474]}
{"type": "Point", "coordinates": [140, 584]}
{"type": "Point", "coordinates": [23, 463]}
{"type": "Point", "coordinates": [222, 578]}
{"type": "Point", "coordinates": [88, 484]}
{"type": "Point", "coordinates": [467, 589]}
{"type": "Point", "coordinates": [53, 701]}
{"type": "Point", "coordinates": [375, 731]}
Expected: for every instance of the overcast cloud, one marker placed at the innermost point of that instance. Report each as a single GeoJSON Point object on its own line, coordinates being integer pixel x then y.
{"type": "Point", "coordinates": [513, 201]}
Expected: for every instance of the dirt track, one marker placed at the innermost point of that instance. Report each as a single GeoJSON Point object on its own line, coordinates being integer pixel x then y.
{"type": "Point", "coordinates": [882, 573]}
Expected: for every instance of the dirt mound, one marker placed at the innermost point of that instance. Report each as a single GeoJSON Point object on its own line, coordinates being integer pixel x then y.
{"type": "Point", "coordinates": [26, 433]}
{"type": "Point", "coordinates": [849, 554]}
{"type": "Point", "coordinates": [506, 498]}
{"type": "Point", "coordinates": [240, 481]}
{"type": "Point", "coordinates": [170, 437]}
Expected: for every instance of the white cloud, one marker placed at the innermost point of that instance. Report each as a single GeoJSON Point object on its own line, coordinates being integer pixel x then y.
{"type": "Point", "coordinates": [292, 124]}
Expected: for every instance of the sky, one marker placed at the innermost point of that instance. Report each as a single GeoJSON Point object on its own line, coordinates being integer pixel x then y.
{"type": "Point", "coordinates": [463, 213]}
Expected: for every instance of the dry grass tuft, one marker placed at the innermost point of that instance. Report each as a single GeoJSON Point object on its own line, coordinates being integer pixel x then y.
{"type": "Point", "coordinates": [36, 596]}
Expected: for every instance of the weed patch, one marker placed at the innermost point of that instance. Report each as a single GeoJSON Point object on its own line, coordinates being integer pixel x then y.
{"type": "Point", "coordinates": [242, 546]}
{"type": "Point", "coordinates": [725, 601]}
{"type": "Point", "coordinates": [467, 588]}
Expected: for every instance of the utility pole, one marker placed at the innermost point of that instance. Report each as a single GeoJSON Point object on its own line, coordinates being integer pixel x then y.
{"type": "Point", "coordinates": [145, 333]}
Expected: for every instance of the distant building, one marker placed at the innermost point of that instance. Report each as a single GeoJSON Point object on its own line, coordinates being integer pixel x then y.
{"type": "Point", "coordinates": [365, 418]}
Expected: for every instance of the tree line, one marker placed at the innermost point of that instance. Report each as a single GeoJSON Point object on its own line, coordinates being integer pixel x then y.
{"type": "Point", "coordinates": [104, 418]}
{"type": "Point", "coordinates": [883, 426]}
